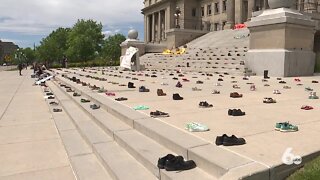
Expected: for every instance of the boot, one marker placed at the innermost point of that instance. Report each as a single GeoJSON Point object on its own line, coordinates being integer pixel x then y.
{"type": "Point", "coordinates": [265, 74]}
{"type": "Point", "coordinates": [131, 85]}
{"type": "Point", "coordinates": [176, 96]}
{"type": "Point", "coordinates": [161, 93]}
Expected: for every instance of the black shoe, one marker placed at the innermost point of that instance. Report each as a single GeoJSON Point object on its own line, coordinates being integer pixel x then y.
{"type": "Point", "coordinates": [219, 139]}
{"type": "Point", "coordinates": [162, 161]}
{"type": "Point", "coordinates": [176, 96]}
{"type": "Point", "coordinates": [233, 140]}
{"type": "Point", "coordinates": [131, 85]}
{"type": "Point", "coordinates": [238, 112]}
{"type": "Point", "coordinates": [265, 74]}
{"type": "Point", "coordinates": [159, 114]}
{"type": "Point", "coordinates": [179, 164]}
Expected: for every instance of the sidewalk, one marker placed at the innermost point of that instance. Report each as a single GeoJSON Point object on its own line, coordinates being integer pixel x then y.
{"type": "Point", "coordinates": [30, 146]}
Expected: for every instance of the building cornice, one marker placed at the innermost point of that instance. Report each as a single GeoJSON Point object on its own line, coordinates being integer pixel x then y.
{"type": "Point", "coordinates": [153, 6]}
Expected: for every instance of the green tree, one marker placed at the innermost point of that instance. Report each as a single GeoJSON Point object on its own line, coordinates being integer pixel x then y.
{"type": "Point", "coordinates": [29, 55]}
{"type": "Point", "coordinates": [53, 47]}
{"type": "Point", "coordinates": [85, 40]}
{"type": "Point", "coordinates": [111, 49]}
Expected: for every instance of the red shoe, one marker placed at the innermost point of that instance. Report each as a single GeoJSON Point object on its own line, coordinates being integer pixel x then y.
{"type": "Point", "coordinates": [307, 107]}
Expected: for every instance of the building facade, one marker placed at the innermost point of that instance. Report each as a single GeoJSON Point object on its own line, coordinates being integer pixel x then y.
{"type": "Point", "coordinates": [6, 50]}
{"type": "Point", "coordinates": [204, 15]}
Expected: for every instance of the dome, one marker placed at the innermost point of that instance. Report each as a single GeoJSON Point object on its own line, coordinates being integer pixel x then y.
{"type": "Point", "coordinates": [133, 34]}
{"type": "Point", "coordinates": [273, 4]}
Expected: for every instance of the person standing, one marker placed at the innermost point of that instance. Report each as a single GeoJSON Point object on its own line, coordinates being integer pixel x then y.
{"type": "Point", "coordinates": [20, 67]}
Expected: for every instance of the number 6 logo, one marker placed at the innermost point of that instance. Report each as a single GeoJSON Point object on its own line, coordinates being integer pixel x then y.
{"type": "Point", "coordinates": [288, 158]}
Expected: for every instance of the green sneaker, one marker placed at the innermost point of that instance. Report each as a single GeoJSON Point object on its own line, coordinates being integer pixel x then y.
{"type": "Point", "coordinates": [141, 107]}
{"type": "Point", "coordinates": [196, 127]}
{"type": "Point", "coordinates": [278, 126]}
{"type": "Point", "coordinates": [287, 127]}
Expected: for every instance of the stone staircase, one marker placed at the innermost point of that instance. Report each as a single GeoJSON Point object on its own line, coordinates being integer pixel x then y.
{"type": "Point", "coordinates": [221, 52]}
{"type": "Point", "coordinates": [117, 142]}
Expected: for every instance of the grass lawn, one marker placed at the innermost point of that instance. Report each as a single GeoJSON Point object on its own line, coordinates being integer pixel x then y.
{"type": "Point", "coordinates": [310, 171]}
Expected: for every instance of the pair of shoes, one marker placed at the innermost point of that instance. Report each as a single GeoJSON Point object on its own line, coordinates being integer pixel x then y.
{"type": "Point", "coordinates": [314, 81]}
{"type": "Point", "coordinates": [306, 107]}
{"type": "Point", "coordinates": [110, 94]}
{"type": "Point", "coordinates": [53, 103]}
{"type": "Point", "coordinates": [235, 95]}
{"type": "Point", "coordinates": [175, 163]}
{"type": "Point", "coordinates": [297, 80]}
{"type": "Point", "coordinates": [269, 100]}
{"type": "Point", "coordinates": [179, 85]}
{"type": "Point", "coordinates": [286, 127]}
{"type": "Point", "coordinates": [185, 80]}
{"type": "Point", "coordinates": [199, 82]}
{"type": "Point", "coordinates": [253, 87]}
{"type": "Point", "coordinates": [286, 87]}
{"type": "Point", "coordinates": [121, 99]}
{"type": "Point", "coordinates": [196, 89]}
{"type": "Point", "coordinates": [131, 85]}
{"type": "Point", "coordinates": [49, 94]}
{"type": "Point", "coordinates": [236, 112]}
{"type": "Point", "coordinates": [205, 104]}
{"type": "Point", "coordinates": [215, 92]}
{"type": "Point", "coordinates": [51, 97]}
{"type": "Point", "coordinates": [102, 90]}
{"type": "Point", "coordinates": [235, 86]}
{"type": "Point", "coordinates": [308, 89]}
{"type": "Point", "coordinates": [282, 82]}
{"type": "Point", "coordinates": [176, 96]}
{"type": "Point", "coordinates": [143, 89]}
{"type": "Point", "coordinates": [196, 127]}
{"type": "Point", "coordinates": [276, 92]}
{"type": "Point", "coordinates": [57, 110]}
{"type": "Point", "coordinates": [70, 90]}
{"type": "Point", "coordinates": [225, 140]}
{"type": "Point", "coordinates": [94, 106]}
{"type": "Point", "coordinates": [220, 79]}
{"type": "Point", "coordinates": [141, 107]}
{"type": "Point", "coordinates": [157, 113]}
{"type": "Point", "coordinates": [84, 100]}
{"type": "Point", "coordinates": [313, 95]}
{"type": "Point", "coordinates": [160, 92]}
{"type": "Point", "coordinates": [76, 94]}
{"type": "Point", "coordinates": [164, 84]}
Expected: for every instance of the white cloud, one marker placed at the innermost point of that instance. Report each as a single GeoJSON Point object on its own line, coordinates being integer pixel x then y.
{"type": "Point", "coordinates": [40, 17]}
{"type": "Point", "coordinates": [15, 41]}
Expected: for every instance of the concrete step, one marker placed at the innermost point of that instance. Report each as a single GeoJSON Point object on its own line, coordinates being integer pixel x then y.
{"type": "Point", "coordinates": [175, 140]}
{"type": "Point", "coordinates": [141, 147]}
{"type": "Point", "coordinates": [96, 138]}
{"type": "Point", "coordinates": [84, 163]}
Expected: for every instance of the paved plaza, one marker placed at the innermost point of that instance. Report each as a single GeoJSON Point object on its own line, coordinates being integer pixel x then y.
{"type": "Point", "coordinates": [38, 144]}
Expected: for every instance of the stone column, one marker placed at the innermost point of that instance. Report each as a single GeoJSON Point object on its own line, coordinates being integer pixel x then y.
{"type": "Point", "coordinates": [238, 11]}
{"type": "Point", "coordinates": [265, 4]}
{"type": "Point", "coordinates": [153, 27]}
{"type": "Point", "coordinates": [230, 14]}
{"type": "Point", "coordinates": [146, 28]}
{"type": "Point", "coordinates": [251, 5]}
{"type": "Point", "coordinates": [159, 26]}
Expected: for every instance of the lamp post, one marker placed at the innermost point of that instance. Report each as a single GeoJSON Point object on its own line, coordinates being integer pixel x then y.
{"type": "Point", "coordinates": [177, 15]}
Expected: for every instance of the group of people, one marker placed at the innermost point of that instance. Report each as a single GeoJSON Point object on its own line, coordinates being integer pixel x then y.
{"type": "Point", "coordinates": [37, 68]}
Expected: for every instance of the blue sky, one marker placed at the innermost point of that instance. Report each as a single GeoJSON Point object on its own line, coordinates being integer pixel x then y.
{"type": "Point", "coordinates": [26, 22]}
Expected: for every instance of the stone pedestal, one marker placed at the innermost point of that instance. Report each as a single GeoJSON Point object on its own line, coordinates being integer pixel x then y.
{"type": "Point", "coordinates": [141, 46]}
{"type": "Point", "coordinates": [281, 41]}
